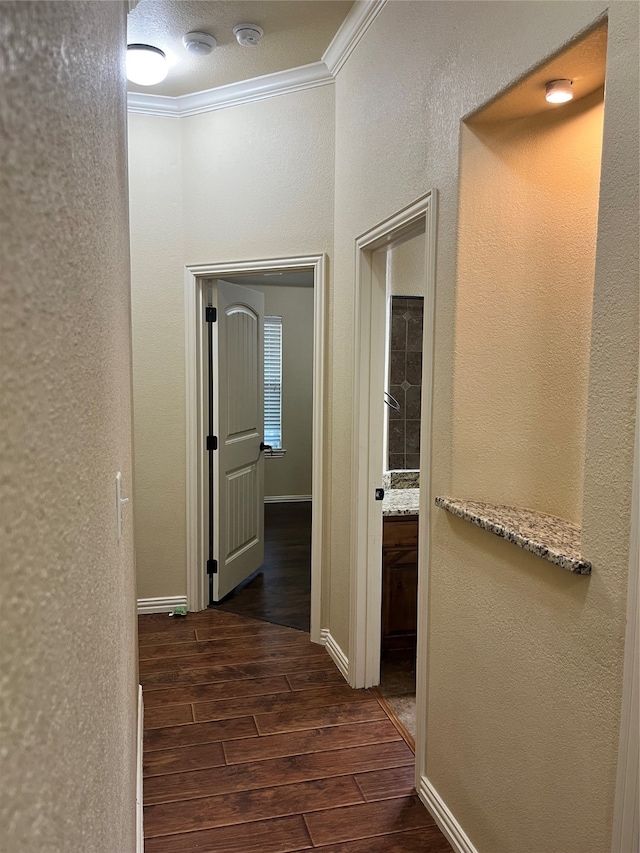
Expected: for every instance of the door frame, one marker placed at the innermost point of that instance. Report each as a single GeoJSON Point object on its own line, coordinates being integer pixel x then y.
{"type": "Point", "coordinates": [194, 283]}
{"type": "Point", "coordinates": [370, 312]}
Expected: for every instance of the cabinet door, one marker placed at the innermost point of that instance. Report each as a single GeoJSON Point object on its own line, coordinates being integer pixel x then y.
{"type": "Point", "coordinates": [399, 596]}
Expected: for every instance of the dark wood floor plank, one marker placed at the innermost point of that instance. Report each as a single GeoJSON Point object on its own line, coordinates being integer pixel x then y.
{"type": "Point", "coordinates": [424, 840]}
{"type": "Point", "coordinates": [323, 696]}
{"type": "Point", "coordinates": [232, 655]}
{"type": "Point", "coordinates": [348, 823]}
{"type": "Point", "coordinates": [183, 758]}
{"type": "Point", "coordinates": [384, 784]}
{"type": "Point", "coordinates": [252, 628]}
{"type": "Point", "coordinates": [174, 736]}
{"type": "Point", "coordinates": [167, 715]}
{"type": "Point", "coordinates": [331, 715]}
{"type": "Point", "coordinates": [208, 674]}
{"type": "Point", "coordinates": [312, 740]}
{"type": "Point", "coordinates": [177, 636]}
{"type": "Point", "coordinates": [256, 642]}
{"type": "Point", "coordinates": [245, 806]}
{"type": "Point", "coordinates": [282, 835]}
{"type": "Point", "coordinates": [216, 691]}
{"type": "Point", "coordinates": [206, 618]}
{"type": "Point", "coordinates": [316, 678]}
{"type": "Point", "coordinates": [254, 744]}
{"type": "Point", "coordinates": [265, 774]}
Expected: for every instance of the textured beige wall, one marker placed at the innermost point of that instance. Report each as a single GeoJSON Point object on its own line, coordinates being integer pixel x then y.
{"type": "Point", "coordinates": [157, 274]}
{"type": "Point", "coordinates": [526, 262]}
{"type": "Point", "coordinates": [524, 660]}
{"type": "Point", "coordinates": [252, 181]}
{"type": "Point", "coordinates": [291, 474]}
{"type": "Point", "coordinates": [406, 269]}
{"type": "Point", "coordinates": [68, 674]}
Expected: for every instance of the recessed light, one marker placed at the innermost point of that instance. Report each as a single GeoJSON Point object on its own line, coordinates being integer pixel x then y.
{"type": "Point", "coordinates": [146, 65]}
{"type": "Point", "coordinates": [559, 91]}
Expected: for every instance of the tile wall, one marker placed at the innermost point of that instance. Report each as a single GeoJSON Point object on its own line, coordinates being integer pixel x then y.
{"type": "Point", "coordinates": [405, 381]}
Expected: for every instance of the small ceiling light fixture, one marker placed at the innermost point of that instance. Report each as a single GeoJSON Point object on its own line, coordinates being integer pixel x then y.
{"type": "Point", "coordinates": [200, 44]}
{"type": "Point", "coordinates": [146, 65]}
{"type": "Point", "coordinates": [559, 91]}
{"type": "Point", "coordinates": [248, 35]}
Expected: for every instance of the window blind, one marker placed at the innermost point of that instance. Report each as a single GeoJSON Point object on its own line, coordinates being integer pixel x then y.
{"type": "Point", "coordinates": [273, 381]}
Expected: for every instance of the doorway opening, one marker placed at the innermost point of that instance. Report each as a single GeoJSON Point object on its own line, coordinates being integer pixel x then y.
{"type": "Point", "coordinates": [293, 516]}
{"type": "Point", "coordinates": [409, 542]}
{"type": "Point", "coordinates": [280, 590]}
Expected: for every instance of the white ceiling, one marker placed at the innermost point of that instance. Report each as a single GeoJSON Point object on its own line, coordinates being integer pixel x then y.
{"type": "Point", "coordinates": [296, 32]}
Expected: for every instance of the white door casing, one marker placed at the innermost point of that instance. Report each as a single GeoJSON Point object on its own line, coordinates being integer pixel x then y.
{"type": "Point", "coordinates": [237, 514]}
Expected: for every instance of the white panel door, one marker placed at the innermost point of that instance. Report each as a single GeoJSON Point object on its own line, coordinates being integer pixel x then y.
{"type": "Point", "coordinates": [238, 495]}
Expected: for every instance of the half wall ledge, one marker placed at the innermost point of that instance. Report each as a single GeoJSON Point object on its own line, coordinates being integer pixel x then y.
{"type": "Point", "coordinates": [549, 537]}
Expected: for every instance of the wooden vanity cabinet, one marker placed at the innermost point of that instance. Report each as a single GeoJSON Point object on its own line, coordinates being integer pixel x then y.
{"type": "Point", "coordinates": [399, 586]}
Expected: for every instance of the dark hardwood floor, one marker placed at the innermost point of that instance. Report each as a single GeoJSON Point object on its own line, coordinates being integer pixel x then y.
{"type": "Point", "coordinates": [280, 591]}
{"type": "Point", "coordinates": [255, 744]}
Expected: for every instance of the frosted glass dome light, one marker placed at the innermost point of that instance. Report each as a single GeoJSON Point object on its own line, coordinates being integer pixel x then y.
{"type": "Point", "coordinates": [146, 65]}
{"type": "Point", "coordinates": [559, 91]}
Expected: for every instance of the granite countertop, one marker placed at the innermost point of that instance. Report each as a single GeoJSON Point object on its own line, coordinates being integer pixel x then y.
{"type": "Point", "coordinates": [401, 497]}
{"type": "Point", "coordinates": [401, 502]}
{"type": "Point", "coordinates": [549, 537]}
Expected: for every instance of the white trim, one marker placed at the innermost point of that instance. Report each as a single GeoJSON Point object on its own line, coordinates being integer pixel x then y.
{"type": "Point", "coordinates": [161, 605]}
{"type": "Point", "coordinates": [443, 816]}
{"type": "Point", "coordinates": [626, 819]}
{"type": "Point", "coordinates": [286, 499]}
{"type": "Point", "coordinates": [193, 282]}
{"type": "Point", "coordinates": [335, 652]}
{"type": "Point", "coordinates": [139, 796]}
{"type": "Point", "coordinates": [370, 310]}
{"type": "Point", "coordinates": [243, 92]}
{"type": "Point", "coordinates": [359, 19]}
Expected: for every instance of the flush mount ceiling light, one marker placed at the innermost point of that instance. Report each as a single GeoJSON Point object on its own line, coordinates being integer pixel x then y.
{"type": "Point", "coordinates": [248, 35]}
{"type": "Point", "coordinates": [559, 91]}
{"type": "Point", "coordinates": [146, 65]}
{"type": "Point", "coordinates": [200, 44]}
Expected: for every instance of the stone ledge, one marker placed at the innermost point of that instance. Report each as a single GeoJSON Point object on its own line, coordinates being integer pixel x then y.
{"type": "Point", "coordinates": [549, 537]}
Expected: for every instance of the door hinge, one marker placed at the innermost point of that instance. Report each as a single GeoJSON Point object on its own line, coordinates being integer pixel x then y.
{"type": "Point", "coordinates": [379, 494]}
{"type": "Point", "coordinates": [210, 314]}
{"type": "Point", "coordinates": [212, 442]}
{"type": "Point", "coordinates": [212, 567]}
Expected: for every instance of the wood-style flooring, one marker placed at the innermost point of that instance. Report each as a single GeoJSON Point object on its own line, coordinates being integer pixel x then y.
{"type": "Point", "coordinates": [280, 591]}
{"type": "Point", "coordinates": [255, 744]}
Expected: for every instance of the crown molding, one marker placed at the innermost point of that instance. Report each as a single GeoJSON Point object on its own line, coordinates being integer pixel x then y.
{"type": "Point", "coordinates": [243, 92]}
{"type": "Point", "coordinates": [361, 15]}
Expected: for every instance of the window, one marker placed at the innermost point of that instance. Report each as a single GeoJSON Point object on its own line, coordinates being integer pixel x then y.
{"type": "Point", "coordinates": [273, 382]}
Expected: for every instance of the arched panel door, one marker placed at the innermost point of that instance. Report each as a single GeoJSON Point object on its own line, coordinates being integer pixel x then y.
{"type": "Point", "coordinates": [237, 498]}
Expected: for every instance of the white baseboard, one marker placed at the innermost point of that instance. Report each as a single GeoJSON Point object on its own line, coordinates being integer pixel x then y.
{"type": "Point", "coordinates": [161, 605]}
{"type": "Point", "coordinates": [440, 812]}
{"type": "Point", "coordinates": [139, 798]}
{"type": "Point", "coordinates": [286, 499]}
{"type": "Point", "coordinates": [336, 653]}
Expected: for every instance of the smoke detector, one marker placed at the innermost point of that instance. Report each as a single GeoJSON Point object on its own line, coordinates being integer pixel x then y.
{"type": "Point", "coordinates": [200, 44]}
{"type": "Point", "coordinates": [248, 35]}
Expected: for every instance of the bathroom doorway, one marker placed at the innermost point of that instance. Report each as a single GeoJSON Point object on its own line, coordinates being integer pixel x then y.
{"type": "Point", "coordinates": [374, 267]}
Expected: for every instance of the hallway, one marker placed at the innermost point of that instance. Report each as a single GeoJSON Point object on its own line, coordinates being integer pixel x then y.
{"type": "Point", "coordinates": [255, 744]}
